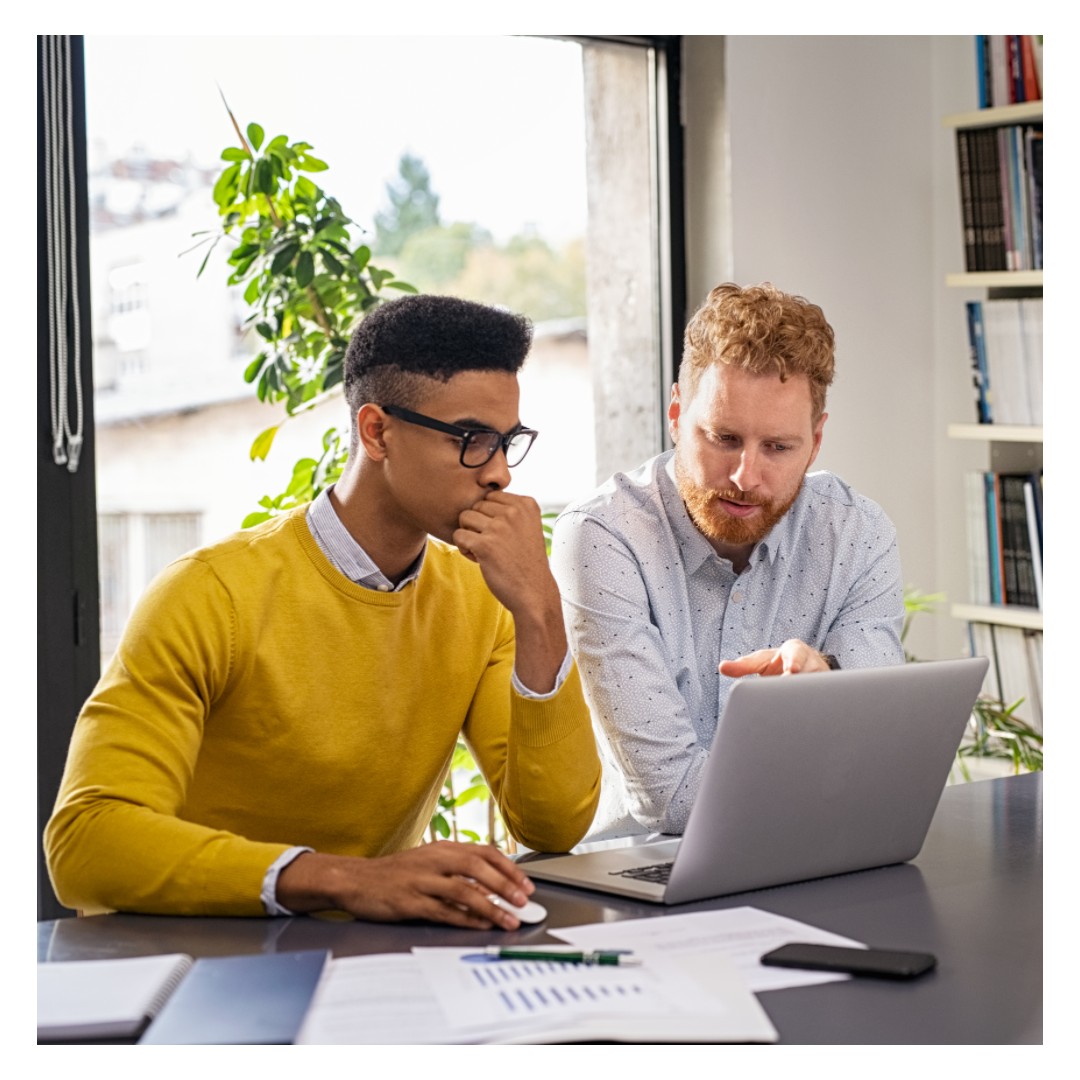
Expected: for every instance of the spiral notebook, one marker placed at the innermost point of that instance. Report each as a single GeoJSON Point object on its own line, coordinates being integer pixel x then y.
{"type": "Point", "coordinates": [105, 999]}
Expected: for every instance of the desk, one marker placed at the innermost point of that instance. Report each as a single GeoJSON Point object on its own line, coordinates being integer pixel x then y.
{"type": "Point", "coordinates": [973, 897]}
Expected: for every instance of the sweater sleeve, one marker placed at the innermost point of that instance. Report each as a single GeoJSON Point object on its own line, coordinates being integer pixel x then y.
{"type": "Point", "coordinates": [117, 839]}
{"type": "Point", "coordinates": [542, 766]}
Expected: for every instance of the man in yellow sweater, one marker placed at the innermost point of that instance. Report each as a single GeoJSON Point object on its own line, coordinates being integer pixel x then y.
{"type": "Point", "coordinates": [275, 728]}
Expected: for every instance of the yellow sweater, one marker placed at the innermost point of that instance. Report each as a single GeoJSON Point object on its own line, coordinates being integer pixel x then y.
{"type": "Point", "coordinates": [260, 700]}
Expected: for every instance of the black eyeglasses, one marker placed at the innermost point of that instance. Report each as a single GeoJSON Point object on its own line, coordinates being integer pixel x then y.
{"type": "Point", "coordinates": [478, 445]}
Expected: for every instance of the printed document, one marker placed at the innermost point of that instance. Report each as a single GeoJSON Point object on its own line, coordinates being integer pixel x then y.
{"type": "Point", "coordinates": [744, 934]}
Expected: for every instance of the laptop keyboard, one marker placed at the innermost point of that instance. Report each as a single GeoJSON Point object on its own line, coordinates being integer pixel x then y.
{"type": "Point", "coordinates": [658, 873]}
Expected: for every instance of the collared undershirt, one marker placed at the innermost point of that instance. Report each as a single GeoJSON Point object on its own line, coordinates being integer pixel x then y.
{"type": "Point", "coordinates": [350, 559]}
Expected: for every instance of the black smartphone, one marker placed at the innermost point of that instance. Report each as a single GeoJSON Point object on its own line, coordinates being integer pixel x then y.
{"type": "Point", "coordinates": [882, 963]}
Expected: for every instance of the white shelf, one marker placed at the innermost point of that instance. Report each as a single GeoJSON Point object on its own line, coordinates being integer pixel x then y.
{"type": "Point", "coordinates": [999, 614]}
{"type": "Point", "coordinates": [1005, 114]}
{"type": "Point", "coordinates": [995, 279]}
{"type": "Point", "coordinates": [996, 433]}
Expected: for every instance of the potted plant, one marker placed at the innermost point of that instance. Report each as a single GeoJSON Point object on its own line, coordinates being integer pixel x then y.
{"type": "Point", "coordinates": [997, 741]}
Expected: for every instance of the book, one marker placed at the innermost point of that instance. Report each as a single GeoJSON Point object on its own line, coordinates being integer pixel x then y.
{"type": "Point", "coordinates": [1016, 542]}
{"type": "Point", "coordinates": [978, 561]}
{"type": "Point", "coordinates": [990, 489]}
{"type": "Point", "coordinates": [257, 999]}
{"type": "Point", "coordinates": [982, 69]}
{"type": "Point", "coordinates": [1031, 333]}
{"type": "Point", "coordinates": [1015, 672]}
{"type": "Point", "coordinates": [965, 168]}
{"type": "Point", "coordinates": [999, 71]}
{"type": "Point", "coordinates": [990, 206]}
{"type": "Point", "coordinates": [1016, 73]}
{"type": "Point", "coordinates": [1034, 140]}
{"type": "Point", "coordinates": [1034, 524]}
{"type": "Point", "coordinates": [1030, 74]}
{"type": "Point", "coordinates": [981, 642]}
{"type": "Point", "coordinates": [1004, 189]}
{"type": "Point", "coordinates": [1005, 361]}
{"type": "Point", "coordinates": [105, 999]}
{"type": "Point", "coordinates": [980, 376]}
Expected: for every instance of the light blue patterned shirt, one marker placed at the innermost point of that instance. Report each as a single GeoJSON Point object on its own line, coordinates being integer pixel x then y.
{"type": "Point", "coordinates": [652, 609]}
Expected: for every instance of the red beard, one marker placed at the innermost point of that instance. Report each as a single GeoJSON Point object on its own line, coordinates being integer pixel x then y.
{"type": "Point", "coordinates": [707, 513]}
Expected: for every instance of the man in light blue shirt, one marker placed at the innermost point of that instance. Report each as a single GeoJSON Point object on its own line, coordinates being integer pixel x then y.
{"type": "Point", "coordinates": [721, 558]}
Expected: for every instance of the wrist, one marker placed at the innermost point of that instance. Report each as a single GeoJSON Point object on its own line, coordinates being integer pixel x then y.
{"type": "Point", "coordinates": [313, 882]}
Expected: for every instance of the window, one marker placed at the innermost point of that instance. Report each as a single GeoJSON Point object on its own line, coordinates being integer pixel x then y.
{"type": "Point", "coordinates": [532, 179]}
{"type": "Point", "coordinates": [132, 549]}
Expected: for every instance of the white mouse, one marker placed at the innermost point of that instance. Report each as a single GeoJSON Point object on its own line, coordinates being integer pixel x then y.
{"type": "Point", "coordinates": [530, 912]}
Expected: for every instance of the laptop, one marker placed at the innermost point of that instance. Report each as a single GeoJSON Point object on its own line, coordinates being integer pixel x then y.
{"type": "Point", "coordinates": [808, 776]}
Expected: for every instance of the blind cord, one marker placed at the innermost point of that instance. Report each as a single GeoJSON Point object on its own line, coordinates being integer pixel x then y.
{"type": "Point", "coordinates": [61, 241]}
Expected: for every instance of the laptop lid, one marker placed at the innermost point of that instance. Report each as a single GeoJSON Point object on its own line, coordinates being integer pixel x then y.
{"type": "Point", "coordinates": [808, 776]}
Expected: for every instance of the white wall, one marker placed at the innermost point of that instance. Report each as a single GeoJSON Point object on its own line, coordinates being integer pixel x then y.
{"type": "Point", "coordinates": [842, 189]}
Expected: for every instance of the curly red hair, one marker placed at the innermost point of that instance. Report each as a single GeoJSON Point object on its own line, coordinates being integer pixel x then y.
{"type": "Point", "coordinates": [764, 331]}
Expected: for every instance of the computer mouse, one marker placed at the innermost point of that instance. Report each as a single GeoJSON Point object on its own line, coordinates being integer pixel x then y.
{"type": "Point", "coordinates": [530, 912]}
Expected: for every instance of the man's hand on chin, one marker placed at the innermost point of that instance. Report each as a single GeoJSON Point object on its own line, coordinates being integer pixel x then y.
{"type": "Point", "coordinates": [794, 657]}
{"type": "Point", "coordinates": [504, 534]}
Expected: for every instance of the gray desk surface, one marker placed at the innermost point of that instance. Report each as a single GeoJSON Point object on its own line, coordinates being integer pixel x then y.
{"type": "Point", "coordinates": [973, 897]}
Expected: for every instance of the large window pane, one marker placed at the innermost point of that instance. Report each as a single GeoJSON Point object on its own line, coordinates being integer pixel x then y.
{"type": "Point", "coordinates": [516, 171]}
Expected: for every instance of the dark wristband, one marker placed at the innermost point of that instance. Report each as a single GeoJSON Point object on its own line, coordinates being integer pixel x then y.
{"type": "Point", "coordinates": [834, 664]}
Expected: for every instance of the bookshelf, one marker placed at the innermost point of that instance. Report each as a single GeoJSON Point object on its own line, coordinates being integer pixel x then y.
{"type": "Point", "coordinates": [999, 183]}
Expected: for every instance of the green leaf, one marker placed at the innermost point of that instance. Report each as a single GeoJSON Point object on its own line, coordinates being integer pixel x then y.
{"type": "Point", "coordinates": [264, 182]}
{"type": "Point", "coordinates": [477, 791]}
{"type": "Point", "coordinates": [263, 441]}
{"type": "Point", "coordinates": [255, 135]}
{"type": "Point", "coordinates": [311, 164]}
{"type": "Point", "coordinates": [206, 258]}
{"type": "Point", "coordinates": [226, 187]}
{"type": "Point", "coordinates": [440, 825]}
{"type": "Point", "coordinates": [305, 269]}
{"type": "Point", "coordinates": [234, 153]}
{"type": "Point", "coordinates": [251, 293]}
{"type": "Point", "coordinates": [284, 257]}
{"type": "Point", "coordinates": [331, 263]}
{"type": "Point", "coordinates": [403, 286]}
{"type": "Point", "coordinates": [256, 518]}
{"type": "Point", "coordinates": [253, 369]}
{"type": "Point", "coordinates": [361, 256]}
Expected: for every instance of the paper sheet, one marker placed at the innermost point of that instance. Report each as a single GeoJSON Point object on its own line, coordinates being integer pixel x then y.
{"type": "Point", "coordinates": [743, 934]}
{"type": "Point", "coordinates": [437, 996]}
{"type": "Point", "coordinates": [383, 999]}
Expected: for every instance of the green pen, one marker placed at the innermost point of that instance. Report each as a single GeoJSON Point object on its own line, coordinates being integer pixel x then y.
{"type": "Point", "coordinates": [610, 957]}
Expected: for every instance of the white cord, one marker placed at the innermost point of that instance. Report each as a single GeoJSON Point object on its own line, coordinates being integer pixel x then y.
{"type": "Point", "coordinates": [61, 244]}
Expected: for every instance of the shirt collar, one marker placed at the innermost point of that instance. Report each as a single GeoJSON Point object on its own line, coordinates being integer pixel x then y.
{"type": "Point", "coordinates": [345, 554]}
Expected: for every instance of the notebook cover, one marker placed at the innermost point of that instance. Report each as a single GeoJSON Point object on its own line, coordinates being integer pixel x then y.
{"type": "Point", "coordinates": [240, 999]}
{"type": "Point", "coordinates": [104, 999]}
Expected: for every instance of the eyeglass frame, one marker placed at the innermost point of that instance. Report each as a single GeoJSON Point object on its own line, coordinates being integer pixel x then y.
{"type": "Point", "coordinates": [466, 435]}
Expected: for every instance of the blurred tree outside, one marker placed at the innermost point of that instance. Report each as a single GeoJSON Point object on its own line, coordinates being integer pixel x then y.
{"type": "Point", "coordinates": [413, 207]}
{"type": "Point", "coordinates": [525, 274]}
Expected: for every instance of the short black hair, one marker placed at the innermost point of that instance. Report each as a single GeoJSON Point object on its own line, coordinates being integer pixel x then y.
{"type": "Point", "coordinates": [432, 336]}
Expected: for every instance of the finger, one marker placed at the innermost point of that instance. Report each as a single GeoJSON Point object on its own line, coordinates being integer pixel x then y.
{"type": "Point", "coordinates": [492, 871]}
{"type": "Point", "coordinates": [475, 520]}
{"type": "Point", "coordinates": [436, 909]}
{"type": "Point", "coordinates": [474, 900]}
{"type": "Point", "coordinates": [750, 664]}
{"type": "Point", "coordinates": [483, 866]}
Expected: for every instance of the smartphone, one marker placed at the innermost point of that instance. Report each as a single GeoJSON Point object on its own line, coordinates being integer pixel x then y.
{"type": "Point", "coordinates": [882, 963]}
